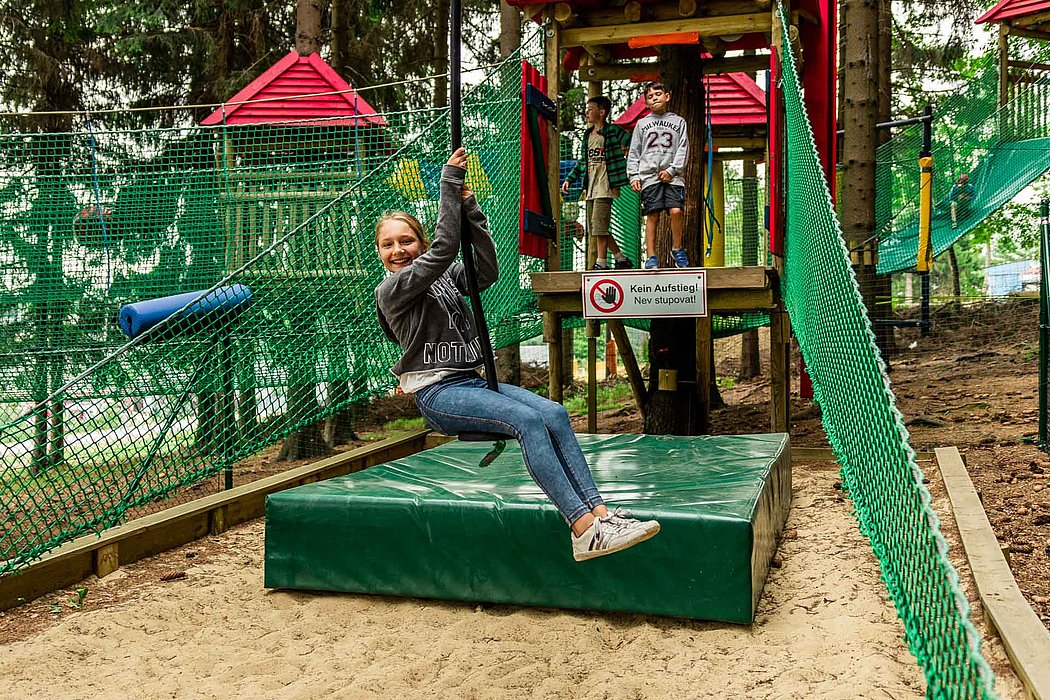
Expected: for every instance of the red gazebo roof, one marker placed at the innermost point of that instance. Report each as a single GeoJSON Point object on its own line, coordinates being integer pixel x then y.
{"type": "Point", "coordinates": [297, 89]}
{"type": "Point", "coordinates": [736, 100]}
{"type": "Point", "coordinates": [1006, 10]}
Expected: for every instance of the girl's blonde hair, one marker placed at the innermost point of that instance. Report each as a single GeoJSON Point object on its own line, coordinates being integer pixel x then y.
{"type": "Point", "coordinates": [405, 218]}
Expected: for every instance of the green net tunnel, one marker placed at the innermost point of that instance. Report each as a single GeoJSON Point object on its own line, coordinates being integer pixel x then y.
{"type": "Point", "coordinates": [1002, 147]}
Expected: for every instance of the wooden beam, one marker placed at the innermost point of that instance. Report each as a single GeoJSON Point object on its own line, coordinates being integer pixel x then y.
{"type": "Point", "coordinates": [624, 71]}
{"type": "Point", "coordinates": [1037, 18]}
{"type": "Point", "coordinates": [750, 154]}
{"type": "Point", "coordinates": [704, 26]}
{"type": "Point", "coordinates": [740, 142]}
{"type": "Point", "coordinates": [152, 534]}
{"type": "Point", "coordinates": [1028, 65]}
{"type": "Point", "coordinates": [718, 301]}
{"type": "Point", "coordinates": [630, 363]}
{"type": "Point", "coordinates": [611, 14]}
{"type": "Point", "coordinates": [1029, 33]}
{"type": "Point", "coordinates": [756, 277]}
{"type": "Point", "coordinates": [1026, 640]}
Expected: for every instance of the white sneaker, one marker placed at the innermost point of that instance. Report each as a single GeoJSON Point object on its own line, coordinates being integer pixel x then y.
{"type": "Point", "coordinates": [623, 516]}
{"type": "Point", "coordinates": [606, 536]}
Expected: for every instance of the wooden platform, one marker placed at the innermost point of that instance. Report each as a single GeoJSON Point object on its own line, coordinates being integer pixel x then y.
{"type": "Point", "coordinates": [730, 290]}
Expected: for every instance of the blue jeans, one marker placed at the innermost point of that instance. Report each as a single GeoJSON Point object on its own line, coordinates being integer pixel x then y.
{"type": "Point", "coordinates": [552, 454]}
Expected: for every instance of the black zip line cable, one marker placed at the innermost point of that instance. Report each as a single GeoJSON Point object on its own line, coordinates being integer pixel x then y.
{"type": "Point", "coordinates": [466, 235]}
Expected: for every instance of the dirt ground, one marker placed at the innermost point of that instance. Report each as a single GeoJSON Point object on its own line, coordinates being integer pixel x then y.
{"type": "Point", "coordinates": [974, 390]}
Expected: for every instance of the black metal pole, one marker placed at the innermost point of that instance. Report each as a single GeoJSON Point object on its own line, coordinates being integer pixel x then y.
{"type": "Point", "coordinates": [1044, 315]}
{"type": "Point", "coordinates": [466, 236]}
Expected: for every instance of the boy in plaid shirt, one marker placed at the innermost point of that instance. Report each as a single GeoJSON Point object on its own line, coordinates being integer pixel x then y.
{"type": "Point", "coordinates": [603, 168]}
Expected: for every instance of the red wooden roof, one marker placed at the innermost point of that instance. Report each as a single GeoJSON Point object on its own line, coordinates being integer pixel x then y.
{"type": "Point", "coordinates": [736, 100]}
{"type": "Point", "coordinates": [275, 96]}
{"type": "Point", "coordinates": [1014, 10]}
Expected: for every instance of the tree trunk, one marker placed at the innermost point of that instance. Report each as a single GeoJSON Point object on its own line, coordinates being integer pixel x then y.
{"type": "Point", "coordinates": [341, 37]}
{"type": "Point", "coordinates": [860, 114]}
{"type": "Point", "coordinates": [884, 283]}
{"type": "Point", "coordinates": [509, 29]}
{"type": "Point", "coordinates": [440, 16]}
{"type": "Point", "coordinates": [307, 26]}
{"type": "Point", "coordinates": [672, 342]}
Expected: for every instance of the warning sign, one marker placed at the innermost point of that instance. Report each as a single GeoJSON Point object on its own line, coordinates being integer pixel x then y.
{"type": "Point", "coordinates": [644, 293]}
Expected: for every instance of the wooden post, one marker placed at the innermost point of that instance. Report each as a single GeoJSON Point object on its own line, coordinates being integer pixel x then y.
{"type": "Point", "coordinates": [630, 363]}
{"type": "Point", "coordinates": [106, 560]}
{"type": "Point", "coordinates": [552, 69]}
{"type": "Point", "coordinates": [715, 231]}
{"type": "Point", "coordinates": [704, 355]}
{"type": "Point", "coordinates": [1004, 64]}
{"type": "Point", "coordinates": [593, 329]}
{"type": "Point", "coordinates": [552, 336]}
{"type": "Point", "coordinates": [779, 369]}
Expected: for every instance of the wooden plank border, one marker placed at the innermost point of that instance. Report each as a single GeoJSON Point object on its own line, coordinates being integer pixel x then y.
{"type": "Point", "coordinates": [1026, 640]}
{"type": "Point", "coordinates": [159, 532]}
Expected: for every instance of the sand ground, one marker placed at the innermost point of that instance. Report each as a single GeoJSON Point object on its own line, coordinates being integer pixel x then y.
{"type": "Point", "coordinates": [824, 629]}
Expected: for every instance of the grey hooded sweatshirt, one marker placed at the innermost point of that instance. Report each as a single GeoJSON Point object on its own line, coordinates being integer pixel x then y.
{"type": "Point", "coordinates": [421, 307]}
{"type": "Point", "coordinates": [659, 143]}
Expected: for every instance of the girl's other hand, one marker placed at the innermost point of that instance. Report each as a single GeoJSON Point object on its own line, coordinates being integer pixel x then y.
{"type": "Point", "coordinates": [467, 192]}
{"type": "Point", "coordinates": [459, 158]}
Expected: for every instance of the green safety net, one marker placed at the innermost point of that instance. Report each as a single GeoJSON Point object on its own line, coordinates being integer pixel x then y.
{"type": "Point", "coordinates": [97, 428]}
{"type": "Point", "coordinates": [863, 424]}
{"type": "Point", "coordinates": [1003, 149]}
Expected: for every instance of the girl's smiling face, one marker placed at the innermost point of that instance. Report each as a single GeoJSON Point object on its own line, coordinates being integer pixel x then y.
{"type": "Point", "coordinates": [398, 244]}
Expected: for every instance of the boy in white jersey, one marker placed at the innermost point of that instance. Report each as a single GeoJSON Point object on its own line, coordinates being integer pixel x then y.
{"type": "Point", "coordinates": [655, 163]}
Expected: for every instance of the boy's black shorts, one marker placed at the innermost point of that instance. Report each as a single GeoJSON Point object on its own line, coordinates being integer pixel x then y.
{"type": "Point", "coordinates": [662, 196]}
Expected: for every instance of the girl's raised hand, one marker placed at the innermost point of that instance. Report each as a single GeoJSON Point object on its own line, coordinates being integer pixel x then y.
{"type": "Point", "coordinates": [459, 158]}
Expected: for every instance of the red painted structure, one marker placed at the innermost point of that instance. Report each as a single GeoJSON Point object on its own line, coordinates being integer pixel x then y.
{"type": "Point", "coordinates": [735, 100]}
{"type": "Point", "coordinates": [300, 89]}
{"type": "Point", "coordinates": [1016, 10]}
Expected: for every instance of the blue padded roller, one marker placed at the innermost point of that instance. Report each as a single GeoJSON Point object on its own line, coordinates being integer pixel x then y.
{"type": "Point", "coordinates": [222, 303]}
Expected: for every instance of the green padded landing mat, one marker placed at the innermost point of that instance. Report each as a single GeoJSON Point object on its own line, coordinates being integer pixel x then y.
{"type": "Point", "coordinates": [435, 525]}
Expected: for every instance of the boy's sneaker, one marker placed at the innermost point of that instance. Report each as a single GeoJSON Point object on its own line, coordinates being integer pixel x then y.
{"type": "Point", "coordinates": [623, 516]}
{"type": "Point", "coordinates": [624, 264]}
{"type": "Point", "coordinates": [606, 536]}
{"type": "Point", "coordinates": [599, 265]}
{"type": "Point", "coordinates": [680, 258]}
{"type": "Point", "coordinates": [651, 263]}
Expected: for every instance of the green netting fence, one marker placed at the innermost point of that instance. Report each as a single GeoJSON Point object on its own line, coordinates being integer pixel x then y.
{"type": "Point", "coordinates": [864, 426]}
{"type": "Point", "coordinates": [98, 428]}
{"type": "Point", "coordinates": [1003, 148]}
